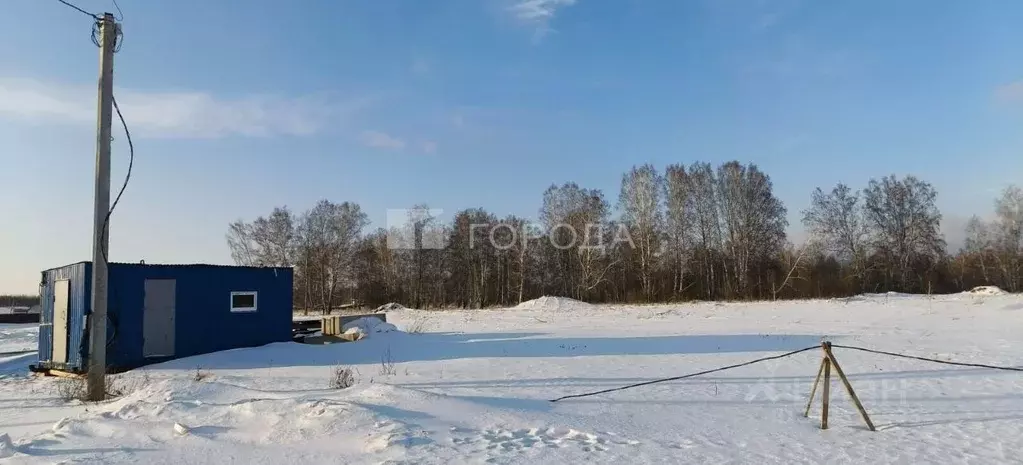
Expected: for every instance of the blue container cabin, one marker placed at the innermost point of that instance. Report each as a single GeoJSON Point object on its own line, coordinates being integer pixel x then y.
{"type": "Point", "coordinates": [162, 312]}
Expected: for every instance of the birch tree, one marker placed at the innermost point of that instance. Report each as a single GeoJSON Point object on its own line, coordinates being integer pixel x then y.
{"type": "Point", "coordinates": [707, 225]}
{"type": "Point", "coordinates": [836, 220]}
{"type": "Point", "coordinates": [642, 212]}
{"type": "Point", "coordinates": [681, 217]}
{"type": "Point", "coordinates": [754, 220]}
{"type": "Point", "coordinates": [905, 225]}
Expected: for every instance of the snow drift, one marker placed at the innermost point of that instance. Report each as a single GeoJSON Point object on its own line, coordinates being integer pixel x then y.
{"type": "Point", "coordinates": [367, 325]}
{"type": "Point", "coordinates": [554, 304]}
{"type": "Point", "coordinates": [391, 307]}
{"type": "Point", "coordinates": [986, 290]}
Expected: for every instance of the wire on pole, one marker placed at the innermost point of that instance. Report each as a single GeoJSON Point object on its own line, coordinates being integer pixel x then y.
{"type": "Point", "coordinates": [75, 7]}
{"type": "Point", "coordinates": [120, 14]}
{"type": "Point", "coordinates": [127, 177]}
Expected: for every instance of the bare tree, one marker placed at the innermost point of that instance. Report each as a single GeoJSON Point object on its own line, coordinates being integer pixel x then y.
{"type": "Point", "coordinates": [576, 220]}
{"type": "Point", "coordinates": [1009, 211]}
{"type": "Point", "coordinates": [979, 246]}
{"type": "Point", "coordinates": [681, 218]}
{"type": "Point", "coordinates": [473, 258]}
{"type": "Point", "coordinates": [641, 207]}
{"type": "Point", "coordinates": [516, 238]}
{"type": "Point", "coordinates": [331, 232]}
{"type": "Point", "coordinates": [793, 260]}
{"type": "Point", "coordinates": [421, 240]}
{"type": "Point", "coordinates": [753, 217]}
{"type": "Point", "coordinates": [707, 225]}
{"type": "Point", "coordinates": [905, 224]}
{"type": "Point", "coordinates": [267, 241]}
{"type": "Point", "coordinates": [239, 241]}
{"type": "Point", "coordinates": [836, 220]}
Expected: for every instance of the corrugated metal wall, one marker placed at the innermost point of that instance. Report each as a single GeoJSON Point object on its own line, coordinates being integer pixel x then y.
{"type": "Point", "coordinates": [78, 275]}
{"type": "Point", "coordinates": [204, 322]}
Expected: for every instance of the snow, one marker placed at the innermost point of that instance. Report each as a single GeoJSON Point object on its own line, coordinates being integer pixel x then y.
{"type": "Point", "coordinates": [475, 389]}
{"type": "Point", "coordinates": [18, 338]}
{"type": "Point", "coordinates": [391, 307]}
{"type": "Point", "coordinates": [986, 290]}
{"type": "Point", "coordinates": [554, 304]}
{"type": "Point", "coordinates": [367, 325]}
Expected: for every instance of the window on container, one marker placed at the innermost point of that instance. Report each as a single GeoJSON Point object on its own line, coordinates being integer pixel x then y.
{"type": "Point", "coordinates": [244, 301]}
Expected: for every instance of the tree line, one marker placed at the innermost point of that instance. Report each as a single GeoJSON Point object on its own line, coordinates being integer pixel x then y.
{"type": "Point", "coordinates": [18, 300]}
{"type": "Point", "coordinates": [690, 232]}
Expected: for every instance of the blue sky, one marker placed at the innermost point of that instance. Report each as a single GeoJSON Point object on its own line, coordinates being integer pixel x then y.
{"type": "Point", "coordinates": [237, 107]}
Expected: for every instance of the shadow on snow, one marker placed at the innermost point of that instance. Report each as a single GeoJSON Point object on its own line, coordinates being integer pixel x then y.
{"type": "Point", "coordinates": [404, 347]}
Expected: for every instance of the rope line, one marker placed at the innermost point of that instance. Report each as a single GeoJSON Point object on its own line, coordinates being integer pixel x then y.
{"type": "Point", "coordinates": [925, 359]}
{"type": "Point", "coordinates": [676, 378]}
{"type": "Point", "coordinates": [788, 354]}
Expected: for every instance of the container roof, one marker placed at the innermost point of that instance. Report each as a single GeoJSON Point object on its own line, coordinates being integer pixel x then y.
{"type": "Point", "coordinates": [181, 265]}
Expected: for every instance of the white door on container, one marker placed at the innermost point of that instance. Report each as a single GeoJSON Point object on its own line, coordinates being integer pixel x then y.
{"type": "Point", "coordinates": [61, 298]}
{"type": "Point", "coordinates": [158, 318]}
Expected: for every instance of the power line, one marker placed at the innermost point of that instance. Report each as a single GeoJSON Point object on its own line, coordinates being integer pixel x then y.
{"type": "Point", "coordinates": [91, 15]}
{"type": "Point", "coordinates": [127, 177]}
{"type": "Point", "coordinates": [120, 14]}
{"type": "Point", "coordinates": [925, 359]}
{"type": "Point", "coordinates": [131, 156]}
{"type": "Point", "coordinates": [676, 378]}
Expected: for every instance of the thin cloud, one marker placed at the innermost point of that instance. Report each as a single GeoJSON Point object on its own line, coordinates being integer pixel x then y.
{"type": "Point", "coordinates": [538, 14]}
{"type": "Point", "coordinates": [174, 114]}
{"type": "Point", "coordinates": [538, 10]}
{"type": "Point", "coordinates": [1011, 92]}
{"type": "Point", "coordinates": [380, 140]}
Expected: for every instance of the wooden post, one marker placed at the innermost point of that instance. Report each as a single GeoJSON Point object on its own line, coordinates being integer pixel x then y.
{"type": "Point", "coordinates": [813, 390]}
{"type": "Point", "coordinates": [848, 386]}
{"type": "Point", "coordinates": [826, 394]}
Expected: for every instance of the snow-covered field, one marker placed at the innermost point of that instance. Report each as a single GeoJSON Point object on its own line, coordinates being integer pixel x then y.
{"type": "Point", "coordinates": [474, 388]}
{"type": "Point", "coordinates": [16, 338]}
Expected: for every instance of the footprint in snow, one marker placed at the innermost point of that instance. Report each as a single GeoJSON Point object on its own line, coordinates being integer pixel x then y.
{"type": "Point", "coordinates": [524, 439]}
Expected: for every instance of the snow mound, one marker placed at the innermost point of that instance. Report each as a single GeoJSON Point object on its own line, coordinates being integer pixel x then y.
{"type": "Point", "coordinates": [367, 325]}
{"type": "Point", "coordinates": [554, 304]}
{"type": "Point", "coordinates": [986, 290]}
{"type": "Point", "coordinates": [391, 307]}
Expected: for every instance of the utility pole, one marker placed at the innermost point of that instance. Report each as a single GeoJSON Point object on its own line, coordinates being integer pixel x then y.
{"type": "Point", "coordinates": [96, 385]}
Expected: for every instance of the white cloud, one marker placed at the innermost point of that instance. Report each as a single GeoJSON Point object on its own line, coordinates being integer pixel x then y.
{"type": "Point", "coordinates": [381, 140]}
{"type": "Point", "coordinates": [173, 114]}
{"type": "Point", "coordinates": [538, 10]}
{"type": "Point", "coordinates": [1011, 92]}
{"type": "Point", "coordinates": [429, 146]}
{"type": "Point", "coordinates": [538, 13]}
